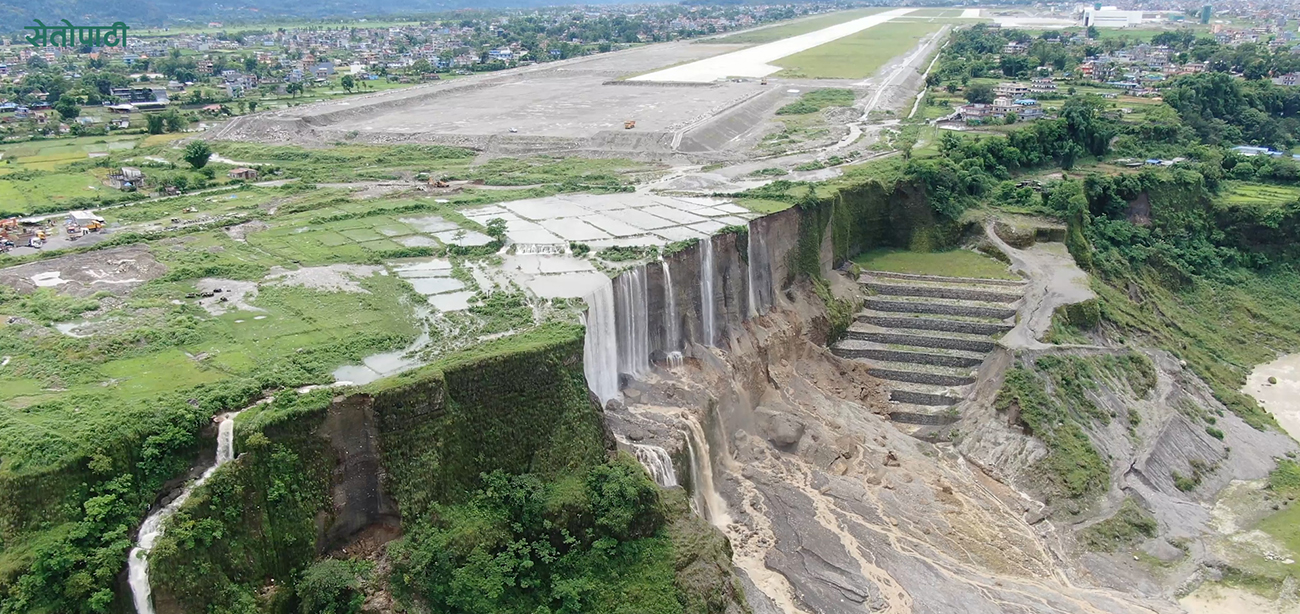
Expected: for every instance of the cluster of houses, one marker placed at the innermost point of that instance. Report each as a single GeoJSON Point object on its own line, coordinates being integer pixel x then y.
{"type": "Point", "coordinates": [130, 178]}
{"type": "Point", "coordinates": [1012, 99]}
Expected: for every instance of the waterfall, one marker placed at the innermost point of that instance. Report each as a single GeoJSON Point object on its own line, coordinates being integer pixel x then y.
{"type": "Point", "coordinates": [600, 344]}
{"type": "Point", "coordinates": [672, 339]}
{"type": "Point", "coordinates": [633, 320]}
{"type": "Point", "coordinates": [152, 528]}
{"type": "Point", "coordinates": [656, 461]}
{"type": "Point", "coordinates": [706, 500]}
{"type": "Point", "coordinates": [706, 289]}
{"type": "Point", "coordinates": [760, 291]}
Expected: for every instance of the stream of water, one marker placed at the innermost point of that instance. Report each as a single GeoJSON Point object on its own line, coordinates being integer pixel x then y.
{"type": "Point", "coordinates": [633, 321]}
{"type": "Point", "coordinates": [656, 461]}
{"type": "Point", "coordinates": [706, 501]}
{"type": "Point", "coordinates": [706, 289]}
{"type": "Point", "coordinates": [152, 528]}
{"type": "Point", "coordinates": [1282, 399]}
{"type": "Point", "coordinates": [600, 344]}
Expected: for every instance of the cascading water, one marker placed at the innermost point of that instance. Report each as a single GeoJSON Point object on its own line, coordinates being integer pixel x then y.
{"type": "Point", "coordinates": [656, 461]}
{"type": "Point", "coordinates": [600, 344]}
{"type": "Point", "coordinates": [672, 338]}
{"type": "Point", "coordinates": [760, 291]}
{"type": "Point", "coordinates": [706, 290]}
{"type": "Point", "coordinates": [706, 500]}
{"type": "Point", "coordinates": [152, 528]}
{"type": "Point", "coordinates": [633, 320]}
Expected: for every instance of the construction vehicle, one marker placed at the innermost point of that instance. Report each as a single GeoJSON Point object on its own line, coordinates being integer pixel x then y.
{"type": "Point", "coordinates": [95, 226]}
{"type": "Point", "coordinates": [629, 124]}
{"type": "Point", "coordinates": [438, 183]}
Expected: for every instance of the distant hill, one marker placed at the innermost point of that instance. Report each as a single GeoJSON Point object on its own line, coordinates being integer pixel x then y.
{"type": "Point", "coordinates": [18, 13]}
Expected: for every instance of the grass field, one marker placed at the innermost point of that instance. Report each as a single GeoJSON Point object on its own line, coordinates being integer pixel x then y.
{"type": "Point", "coordinates": [1241, 193]}
{"type": "Point", "coordinates": [793, 28]}
{"type": "Point", "coordinates": [858, 56]}
{"type": "Point", "coordinates": [955, 263]}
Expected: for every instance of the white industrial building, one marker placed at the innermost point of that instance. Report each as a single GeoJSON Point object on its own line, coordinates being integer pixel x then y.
{"type": "Point", "coordinates": [1110, 17]}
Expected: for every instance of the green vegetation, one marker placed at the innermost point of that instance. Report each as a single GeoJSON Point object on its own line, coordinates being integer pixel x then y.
{"type": "Point", "coordinates": [816, 100]}
{"type": "Point", "coordinates": [589, 542]}
{"type": "Point", "coordinates": [626, 253]}
{"type": "Point", "coordinates": [857, 56]}
{"type": "Point", "coordinates": [954, 263]}
{"type": "Point", "coordinates": [1129, 525]}
{"type": "Point", "coordinates": [197, 154]}
{"type": "Point", "coordinates": [548, 521]}
{"type": "Point", "coordinates": [333, 586]}
{"type": "Point", "coordinates": [793, 28]}
{"type": "Point", "coordinates": [1073, 467]}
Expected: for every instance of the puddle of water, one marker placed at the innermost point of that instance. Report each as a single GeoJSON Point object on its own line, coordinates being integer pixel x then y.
{"type": "Point", "coordinates": [1283, 398]}
{"type": "Point", "coordinates": [434, 285]}
{"type": "Point", "coordinates": [428, 264]}
{"type": "Point", "coordinates": [384, 364]}
{"type": "Point", "coordinates": [453, 301]}
{"type": "Point", "coordinates": [430, 224]}
{"type": "Point", "coordinates": [48, 279]}
{"type": "Point", "coordinates": [67, 328]}
{"type": "Point", "coordinates": [469, 238]}
{"type": "Point", "coordinates": [417, 241]}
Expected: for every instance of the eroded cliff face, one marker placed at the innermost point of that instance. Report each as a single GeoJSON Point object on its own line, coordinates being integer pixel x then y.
{"type": "Point", "coordinates": [831, 509]}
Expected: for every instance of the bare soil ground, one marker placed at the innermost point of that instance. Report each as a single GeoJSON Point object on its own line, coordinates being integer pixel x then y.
{"type": "Point", "coordinates": [117, 270]}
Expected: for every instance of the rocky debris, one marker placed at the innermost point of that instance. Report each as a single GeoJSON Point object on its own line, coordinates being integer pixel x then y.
{"type": "Point", "coordinates": [783, 430]}
{"type": "Point", "coordinates": [332, 278]}
{"type": "Point", "coordinates": [829, 509]}
{"type": "Point", "coordinates": [891, 459]}
{"type": "Point", "coordinates": [1162, 550]}
{"type": "Point", "coordinates": [234, 295]}
{"type": "Point", "coordinates": [238, 232]}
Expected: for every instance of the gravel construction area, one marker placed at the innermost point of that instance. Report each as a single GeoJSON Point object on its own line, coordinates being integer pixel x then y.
{"type": "Point", "coordinates": [117, 270]}
{"type": "Point", "coordinates": [655, 102]}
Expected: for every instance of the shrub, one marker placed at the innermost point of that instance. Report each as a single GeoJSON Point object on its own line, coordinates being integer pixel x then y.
{"type": "Point", "coordinates": [331, 587]}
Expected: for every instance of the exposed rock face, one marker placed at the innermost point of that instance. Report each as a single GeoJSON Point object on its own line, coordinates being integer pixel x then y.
{"type": "Point", "coordinates": [828, 507]}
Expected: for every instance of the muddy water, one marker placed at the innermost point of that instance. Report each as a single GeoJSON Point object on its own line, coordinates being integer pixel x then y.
{"type": "Point", "coordinates": [1224, 600]}
{"type": "Point", "coordinates": [1283, 398]}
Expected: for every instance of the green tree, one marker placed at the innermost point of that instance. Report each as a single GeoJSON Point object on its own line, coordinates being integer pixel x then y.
{"type": "Point", "coordinates": [330, 587]}
{"type": "Point", "coordinates": [67, 108]}
{"type": "Point", "coordinates": [155, 122]}
{"type": "Point", "coordinates": [294, 89]}
{"type": "Point", "coordinates": [175, 121]}
{"type": "Point", "coordinates": [197, 154]}
{"type": "Point", "coordinates": [348, 82]}
{"type": "Point", "coordinates": [979, 93]}
{"type": "Point", "coordinates": [496, 228]}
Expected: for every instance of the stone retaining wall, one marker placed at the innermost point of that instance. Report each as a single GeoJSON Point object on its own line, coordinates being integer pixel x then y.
{"type": "Point", "coordinates": [961, 294]}
{"type": "Point", "coordinates": [999, 313]}
{"type": "Point", "coordinates": [948, 326]}
{"type": "Point", "coordinates": [938, 360]}
{"type": "Point", "coordinates": [921, 377]}
{"type": "Point", "coordinates": [946, 343]}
